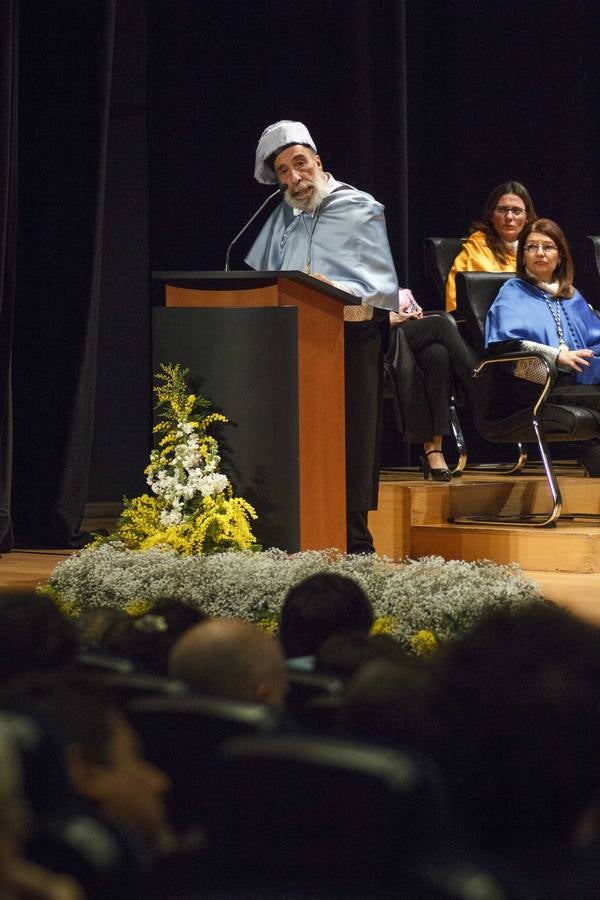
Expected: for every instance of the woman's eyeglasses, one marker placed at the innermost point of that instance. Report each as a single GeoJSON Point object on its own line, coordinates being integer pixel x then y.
{"type": "Point", "coordinates": [515, 210]}
{"type": "Point", "coordinates": [545, 248]}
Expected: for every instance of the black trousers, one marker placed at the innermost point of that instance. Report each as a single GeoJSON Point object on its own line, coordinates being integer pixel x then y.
{"type": "Point", "coordinates": [364, 344]}
{"type": "Point", "coordinates": [444, 359]}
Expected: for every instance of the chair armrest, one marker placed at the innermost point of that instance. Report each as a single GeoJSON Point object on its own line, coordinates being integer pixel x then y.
{"type": "Point", "coordinates": [511, 358]}
{"type": "Point", "coordinates": [491, 358]}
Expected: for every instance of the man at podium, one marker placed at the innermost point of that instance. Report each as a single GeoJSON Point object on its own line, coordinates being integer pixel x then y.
{"type": "Point", "coordinates": [336, 233]}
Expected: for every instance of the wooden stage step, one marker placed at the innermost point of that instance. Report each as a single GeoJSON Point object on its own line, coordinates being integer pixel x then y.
{"type": "Point", "coordinates": [412, 520]}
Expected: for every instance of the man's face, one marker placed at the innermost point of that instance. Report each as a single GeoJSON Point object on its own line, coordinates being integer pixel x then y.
{"type": "Point", "coordinates": [301, 170]}
{"type": "Point", "coordinates": [129, 789]}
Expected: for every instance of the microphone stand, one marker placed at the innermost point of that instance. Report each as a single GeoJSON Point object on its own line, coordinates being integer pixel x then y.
{"type": "Point", "coordinates": [280, 190]}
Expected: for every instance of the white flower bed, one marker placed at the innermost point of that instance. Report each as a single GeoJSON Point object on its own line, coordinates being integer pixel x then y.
{"type": "Point", "coordinates": [430, 593]}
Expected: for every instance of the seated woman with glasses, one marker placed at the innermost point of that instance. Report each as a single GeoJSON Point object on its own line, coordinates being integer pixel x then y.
{"type": "Point", "coordinates": [492, 243]}
{"type": "Point", "coordinates": [541, 310]}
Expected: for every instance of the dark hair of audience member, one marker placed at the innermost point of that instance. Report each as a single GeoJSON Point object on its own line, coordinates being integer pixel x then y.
{"type": "Point", "coordinates": [75, 704]}
{"type": "Point", "coordinates": [343, 653]}
{"type": "Point", "coordinates": [146, 639]}
{"type": "Point", "coordinates": [152, 635]}
{"type": "Point", "coordinates": [392, 700]}
{"type": "Point", "coordinates": [318, 607]}
{"type": "Point", "coordinates": [521, 692]}
{"type": "Point", "coordinates": [34, 634]}
{"type": "Point", "coordinates": [95, 626]}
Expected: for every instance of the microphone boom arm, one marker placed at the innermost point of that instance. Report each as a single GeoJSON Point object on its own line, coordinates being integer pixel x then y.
{"type": "Point", "coordinates": [280, 190]}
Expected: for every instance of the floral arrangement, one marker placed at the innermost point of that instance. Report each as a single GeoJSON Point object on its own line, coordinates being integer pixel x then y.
{"type": "Point", "coordinates": [191, 540]}
{"type": "Point", "coordinates": [192, 508]}
{"type": "Point", "coordinates": [420, 602]}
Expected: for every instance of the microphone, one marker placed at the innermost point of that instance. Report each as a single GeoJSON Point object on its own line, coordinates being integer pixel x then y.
{"type": "Point", "coordinates": [281, 189]}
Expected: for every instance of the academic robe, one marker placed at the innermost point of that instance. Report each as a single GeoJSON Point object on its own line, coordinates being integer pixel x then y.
{"type": "Point", "coordinates": [520, 312]}
{"type": "Point", "coordinates": [346, 241]}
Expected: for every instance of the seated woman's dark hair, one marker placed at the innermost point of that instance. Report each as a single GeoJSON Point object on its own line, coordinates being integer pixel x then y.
{"type": "Point", "coordinates": [564, 270]}
{"type": "Point", "coordinates": [486, 224]}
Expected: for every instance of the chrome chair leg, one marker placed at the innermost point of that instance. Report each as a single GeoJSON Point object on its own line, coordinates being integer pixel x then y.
{"type": "Point", "coordinates": [459, 438]}
{"type": "Point", "coordinates": [530, 520]}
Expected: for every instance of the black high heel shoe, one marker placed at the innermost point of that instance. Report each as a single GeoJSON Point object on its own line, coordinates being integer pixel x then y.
{"type": "Point", "coordinates": [436, 474]}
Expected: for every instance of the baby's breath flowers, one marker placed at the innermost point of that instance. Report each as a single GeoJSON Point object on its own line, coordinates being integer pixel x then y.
{"type": "Point", "coordinates": [192, 508]}
{"type": "Point", "coordinates": [419, 602]}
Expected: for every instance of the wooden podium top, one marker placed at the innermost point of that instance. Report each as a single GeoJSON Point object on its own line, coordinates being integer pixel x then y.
{"type": "Point", "coordinates": [248, 279]}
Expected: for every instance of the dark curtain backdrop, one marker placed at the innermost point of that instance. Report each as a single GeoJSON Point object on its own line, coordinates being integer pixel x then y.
{"type": "Point", "coordinates": [122, 428]}
{"type": "Point", "coordinates": [8, 246]}
{"type": "Point", "coordinates": [426, 104]}
{"type": "Point", "coordinates": [65, 58]}
{"type": "Point", "coordinates": [221, 70]}
{"type": "Point", "coordinates": [501, 90]}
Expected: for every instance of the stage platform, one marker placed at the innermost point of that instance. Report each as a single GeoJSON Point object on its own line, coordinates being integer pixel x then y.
{"type": "Point", "coordinates": [564, 560]}
{"type": "Point", "coordinates": [412, 519]}
{"type": "Point", "coordinates": [412, 522]}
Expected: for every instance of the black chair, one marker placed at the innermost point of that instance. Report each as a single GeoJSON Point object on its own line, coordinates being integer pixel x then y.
{"type": "Point", "coordinates": [123, 680]}
{"type": "Point", "coordinates": [477, 291]}
{"type": "Point", "coordinates": [592, 264]}
{"type": "Point", "coordinates": [301, 816]}
{"type": "Point", "coordinates": [551, 416]}
{"type": "Point", "coordinates": [92, 661]}
{"type": "Point", "coordinates": [313, 699]}
{"type": "Point", "coordinates": [180, 735]}
{"type": "Point", "coordinates": [319, 808]}
{"type": "Point", "coordinates": [475, 313]}
{"type": "Point", "coordinates": [439, 254]}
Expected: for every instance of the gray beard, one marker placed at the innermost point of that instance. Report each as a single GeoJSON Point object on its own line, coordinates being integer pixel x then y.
{"type": "Point", "coordinates": [308, 204]}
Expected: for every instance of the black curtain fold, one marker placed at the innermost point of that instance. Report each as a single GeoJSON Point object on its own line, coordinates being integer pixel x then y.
{"type": "Point", "coordinates": [66, 53]}
{"type": "Point", "coordinates": [8, 198]}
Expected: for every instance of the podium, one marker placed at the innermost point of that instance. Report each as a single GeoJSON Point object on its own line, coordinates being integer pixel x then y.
{"type": "Point", "coordinates": [267, 349]}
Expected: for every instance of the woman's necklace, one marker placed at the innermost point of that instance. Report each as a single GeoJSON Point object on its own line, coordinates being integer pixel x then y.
{"type": "Point", "coordinates": [562, 344]}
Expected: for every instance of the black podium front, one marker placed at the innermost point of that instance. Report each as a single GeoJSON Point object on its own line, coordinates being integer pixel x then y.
{"type": "Point", "coordinates": [267, 349]}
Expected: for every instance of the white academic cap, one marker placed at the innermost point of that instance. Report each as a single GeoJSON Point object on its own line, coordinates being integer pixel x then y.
{"type": "Point", "coordinates": [274, 138]}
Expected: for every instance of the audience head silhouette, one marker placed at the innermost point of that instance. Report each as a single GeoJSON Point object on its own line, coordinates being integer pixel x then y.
{"type": "Point", "coordinates": [521, 696]}
{"type": "Point", "coordinates": [318, 607]}
{"type": "Point", "coordinates": [103, 753]}
{"type": "Point", "coordinates": [34, 635]}
{"type": "Point", "coordinates": [231, 658]}
{"type": "Point", "coordinates": [345, 652]}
